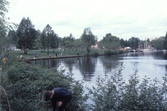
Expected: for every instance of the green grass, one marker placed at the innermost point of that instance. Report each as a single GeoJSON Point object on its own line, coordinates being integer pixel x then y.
{"type": "Point", "coordinates": [44, 54]}
{"type": "Point", "coordinates": [68, 52]}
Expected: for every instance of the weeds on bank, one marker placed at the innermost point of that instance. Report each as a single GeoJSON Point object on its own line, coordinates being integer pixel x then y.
{"type": "Point", "coordinates": [113, 93]}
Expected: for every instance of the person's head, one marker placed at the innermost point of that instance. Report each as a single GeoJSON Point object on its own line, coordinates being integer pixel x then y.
{"type": "Point", "coordinates": [47, 95]}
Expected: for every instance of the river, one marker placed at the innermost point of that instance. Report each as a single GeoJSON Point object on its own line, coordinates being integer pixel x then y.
{"type": "Point", "coordinates": [150, 64]}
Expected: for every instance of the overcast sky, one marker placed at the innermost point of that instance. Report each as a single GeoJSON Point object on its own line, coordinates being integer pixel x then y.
{"type": "Point", "coordinates": [122, 18]}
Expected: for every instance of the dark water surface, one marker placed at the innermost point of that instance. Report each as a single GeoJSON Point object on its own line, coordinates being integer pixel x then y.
{"type": "Point", "coordinates": [150, 64]}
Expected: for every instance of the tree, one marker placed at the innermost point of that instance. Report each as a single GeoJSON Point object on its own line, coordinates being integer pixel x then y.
{"type": "Point", "coordinates": [37, 44]}
{"type": "Point", "coordinates": [26, 34]}
{"type": "Point", "coordinates": [3, 42]}
{"type": "Point", "coordinates": [46, 37]}
{"type": "Point", "coordinates": [110, 42]}
{"type": "Point", "coordinates": [67, 42]}
{"type": "Point", "coordinates": [3, 25]}
{"type": "Point", "coordinates": [54, 42]}
{"type": "Point", "coordinates": [12, 35]}
{"type": "Point", "coordinates": [88, 39]}
{"type": "Point", "coordinates": [43, 40]}
{"type": "Point", "coordinates": [165, 42]}
{"type": "Point", "coordinates": [124, 43]}
{"type": "Point", "coordinates": [134, 41]}
{"type": "Point", "coordinates": [3, 22]}
{"type": "Point", "coordinates": [77, 43]}
{"type": "Point", "coordinates": [158, 43]}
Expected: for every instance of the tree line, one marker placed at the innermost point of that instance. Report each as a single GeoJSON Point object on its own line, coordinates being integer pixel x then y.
{"type": "Point", "coordinates": [27, 37]}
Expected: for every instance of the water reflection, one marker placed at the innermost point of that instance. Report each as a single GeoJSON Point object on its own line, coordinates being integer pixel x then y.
{"type": "Point", "coordinates": [109, 63]}
{"type": "Point", "coordinates": [87, 67]}
{"type": "Point", "coordinates": [152, 64]}
{"type": "Point", "coordinates": [69, 63]}
{"type": "Point", "coordinates": [51, 63]}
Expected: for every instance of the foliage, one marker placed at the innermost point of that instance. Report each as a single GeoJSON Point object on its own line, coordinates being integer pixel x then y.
{"type": "Point", "coordinates": [67, 42]}
{"type": "Point", "coordinates": [110, 42]}
{"type": "Point", "coordinates": [106, 94]}
{"type": "Point", "coordinates": [46, 35]}
{"type": "Point", "coordinates": [110, 52]}
{"type": "Point", "coordinates": [78, 43]}
{"type": "Point", "coordinates": [3, 27]}
{"type": "Point", "coordinates": [124, 43]}
{"type": "Point", "coordinates": [112, 93]}
{"type": "Point", "coordinates": [54, 41]}
{"type": "Point", "coordinates": [134, 42]}
{"type": "Point", "coordinates": [37, 44]}
{"type": "Point", "coordinates": [157, 43]}
{"type": "Point", "coordinates": [43, 41]}
{"type": "Point", "coordinates": [26, 83]}
{"type": "Point", "coordinates": [165, 42]}
{"type": "Point", "coordinates": [49, 39]}
{"type": "Point", "coordinates": [88, 39]}
{"type": "Point", "coordinates": [26, 34]}
{"type": "Point", "coordinates": [3, 10]}
{"type": "Point", "coordinates": [12, 35]}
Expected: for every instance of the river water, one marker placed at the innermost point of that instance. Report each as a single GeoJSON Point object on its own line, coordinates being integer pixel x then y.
{"type": "Point", "coordinates": [150, 64]}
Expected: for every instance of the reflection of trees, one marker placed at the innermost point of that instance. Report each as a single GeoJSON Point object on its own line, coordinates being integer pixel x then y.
{"type": "Point", "coordinates": [166, 68]}
{"type": "Point", "coordinates": [135, 54]}
{"type": "Point", "coordinates": [69, 63]}
{"type": "Point", "coordinates": [54, 62]}
{"type": "Point", "coordinates": [165, 55]}
{"type": "Point", "coordinates": [159, 55]}
{"type": "Point", "coordinates": [50, 63]}
{"type": "Point", "coordinates": [87, 67]}
{"type": "Point", "coordinates": [109, 63]}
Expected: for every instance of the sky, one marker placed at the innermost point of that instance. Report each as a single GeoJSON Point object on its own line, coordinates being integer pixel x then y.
{"type": "Point", "coordinates": [122, 18]}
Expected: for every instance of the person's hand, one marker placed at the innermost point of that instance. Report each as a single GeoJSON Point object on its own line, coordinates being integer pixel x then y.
{"type": "Point", "coordinates": [59, 103]}
{"type": "Point", "coordinates": [52, 93]}
{"type": "Point", "coordinates": [51, 96]}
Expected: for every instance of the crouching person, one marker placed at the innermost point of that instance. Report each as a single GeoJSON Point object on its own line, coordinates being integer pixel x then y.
{"type": "Point", "coordinates": [59, 97]}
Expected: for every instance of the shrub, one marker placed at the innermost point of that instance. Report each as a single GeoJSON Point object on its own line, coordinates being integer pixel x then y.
{"type": "Point", "coordinates": [110, 52]}
{"type": "Point", "coordinates": [107, 52]}
{"type": "Point", "coordinates": [25, 85]}
{"type": "Point", "coordinates": [114, 94]}
{"type": "Point", "coordinates": [95, 54]}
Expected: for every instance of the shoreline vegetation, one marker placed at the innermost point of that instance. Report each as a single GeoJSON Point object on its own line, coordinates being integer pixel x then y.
{"type": "Point", "coordinates": [25, 85]}
{"type": "Point", "coordinates": [34, 55]}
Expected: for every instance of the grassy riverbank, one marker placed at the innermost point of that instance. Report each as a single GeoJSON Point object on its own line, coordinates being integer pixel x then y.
{"type": "Point", "coordinates": [68, 52]}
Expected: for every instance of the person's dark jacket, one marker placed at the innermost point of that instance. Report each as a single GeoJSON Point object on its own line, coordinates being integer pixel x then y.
{"type": "Point", "coordinates": [59, 95]}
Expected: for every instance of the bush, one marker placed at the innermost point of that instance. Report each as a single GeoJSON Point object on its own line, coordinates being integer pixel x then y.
{"type": "Point", "coordinates": [110, 52]}
{"type": "Point", "coordinates": [107, 52]}
{"type": "Point", "coordinates": [25, 85]}
{"type": "Point", "coordinates": [115, 94]}
{"type": "Point", "coordinates": [95, 54]}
